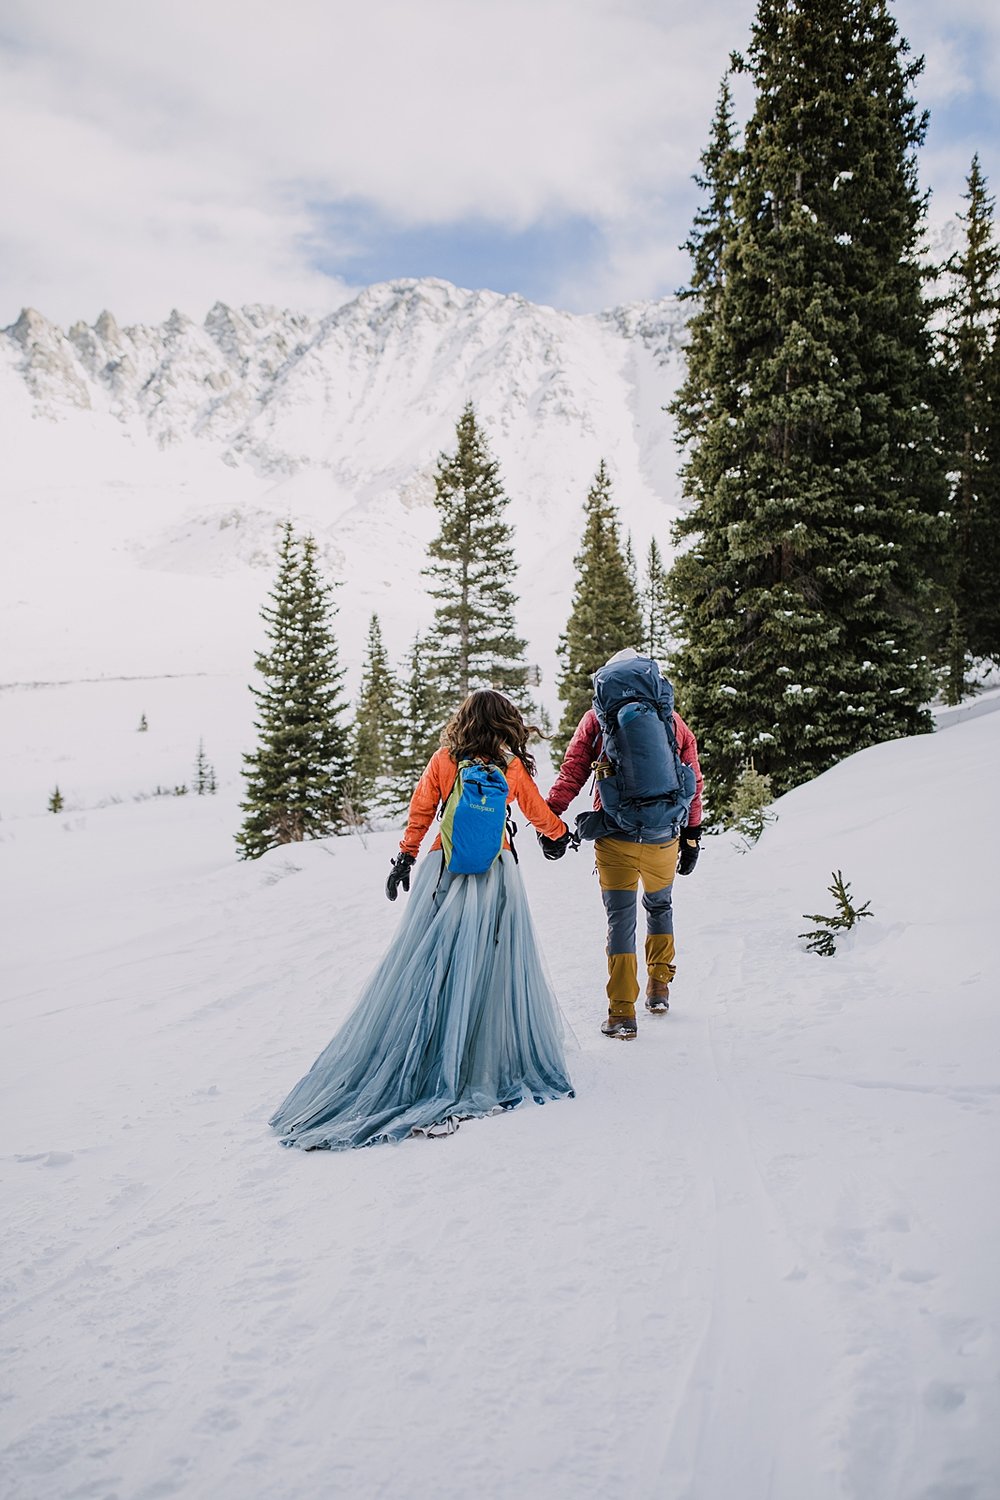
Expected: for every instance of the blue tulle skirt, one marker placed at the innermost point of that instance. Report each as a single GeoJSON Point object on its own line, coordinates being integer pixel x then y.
{"type": "Point", "coordinates": [458, 1020]}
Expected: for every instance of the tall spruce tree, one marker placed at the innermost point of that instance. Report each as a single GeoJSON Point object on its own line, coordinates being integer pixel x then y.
{"type": "Point", "coordinates": [605, 615]}
{"type": "Point", "coordinates": [655, 600]}
{"type": "Point", "coordinates": [812, 460]}
{"type": "Point", "coordinates": [703, 392]}
{"type": "Point", "coordinates": [376, 733]}
{"type": "Point", "coordinates": [473, 641]}
{"type": "Point", "coordinates": [297, 778]}
{"type": "Point", "coordinates": [972, 427]}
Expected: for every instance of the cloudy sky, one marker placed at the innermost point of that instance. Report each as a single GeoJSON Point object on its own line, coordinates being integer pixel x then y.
{"type": "Point", "coordinates": [171, 152]}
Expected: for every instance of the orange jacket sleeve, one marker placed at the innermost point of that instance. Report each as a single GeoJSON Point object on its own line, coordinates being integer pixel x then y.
{"type": "Point", "coordinates": [530, 801]}
{"type": "Point", "coordinates": [428, 794]}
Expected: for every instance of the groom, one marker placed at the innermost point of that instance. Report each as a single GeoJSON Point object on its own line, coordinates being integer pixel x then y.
{"type": "Point", "coordinates": [624, 861]}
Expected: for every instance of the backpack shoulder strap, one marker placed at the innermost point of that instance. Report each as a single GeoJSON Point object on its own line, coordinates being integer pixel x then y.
{"type": "Point", "coordinates": [448, 783]}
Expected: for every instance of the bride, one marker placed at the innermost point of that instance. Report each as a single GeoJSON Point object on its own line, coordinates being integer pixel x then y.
{"type": "Point", "coordinates": [458, 1020]}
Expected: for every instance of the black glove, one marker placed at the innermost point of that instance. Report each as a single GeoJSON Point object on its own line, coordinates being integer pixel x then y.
{"type": "Point", "coordinates": [400, 876]}
{"type": "Point", "coordinates": [690, 849]}
{"type": "Point", "coordinates": [556, 848]}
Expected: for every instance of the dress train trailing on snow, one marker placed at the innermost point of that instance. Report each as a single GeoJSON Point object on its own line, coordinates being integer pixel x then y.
{"type": "Point", "coordinates": [458, 1020]}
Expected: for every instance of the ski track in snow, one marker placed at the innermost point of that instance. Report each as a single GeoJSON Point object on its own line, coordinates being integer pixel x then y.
{"type": "Point", "coordinates": [753, 1257]}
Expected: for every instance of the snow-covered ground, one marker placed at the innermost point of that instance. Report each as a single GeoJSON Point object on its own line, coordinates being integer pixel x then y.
{"type": "Point", "coordinates": [755, 1257]}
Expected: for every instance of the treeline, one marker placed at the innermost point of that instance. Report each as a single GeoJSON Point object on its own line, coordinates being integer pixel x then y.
{"type": "Point", "coordinates": [840, 414]}
{"type": "Point", "coordinates": [321, 766]}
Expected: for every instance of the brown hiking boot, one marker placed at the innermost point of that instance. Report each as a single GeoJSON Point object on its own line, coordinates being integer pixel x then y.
{"type": "Point", "coordinates": [657, 996]}
{"type": "Point", "coordinates": [622, 1028]}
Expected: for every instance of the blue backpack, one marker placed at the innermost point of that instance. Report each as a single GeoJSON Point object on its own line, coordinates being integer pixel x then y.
{"type": "Point", "coordinates": [474, 818]}
{"type": "Point", "coordinates": [645, 788]}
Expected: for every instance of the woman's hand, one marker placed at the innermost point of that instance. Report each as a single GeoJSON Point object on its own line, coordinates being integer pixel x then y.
{"type": "Point", "coordinates": [399, 875]}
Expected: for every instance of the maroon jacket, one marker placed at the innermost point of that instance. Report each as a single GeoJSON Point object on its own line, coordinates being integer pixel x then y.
{"type": "Point", "coordinates": [585, 747]}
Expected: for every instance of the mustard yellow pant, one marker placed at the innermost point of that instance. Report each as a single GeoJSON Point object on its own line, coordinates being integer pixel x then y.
{"type": "Point", "coordinates": [620, 867]}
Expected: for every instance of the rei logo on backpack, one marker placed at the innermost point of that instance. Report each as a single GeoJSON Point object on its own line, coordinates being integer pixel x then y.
{"type": "Point", "coordinates": [474, 818]}
{"type": "Point", "coordinates": [645, 789]}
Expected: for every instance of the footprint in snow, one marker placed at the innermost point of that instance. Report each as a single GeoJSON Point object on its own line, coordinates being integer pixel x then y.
{"type": "Point", "coordinates": [943, 1397]}
{"type": "Point", "coordinates": [218, 1419]}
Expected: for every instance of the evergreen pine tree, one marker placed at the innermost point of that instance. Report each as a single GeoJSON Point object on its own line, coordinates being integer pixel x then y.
{"type": "Point", "coordinates": [747, 812]}
{"type": "Point", "coordinates": [630, 563]}
{"type": "Point", "coordinates": [473, 641]}
{"type": "Point", "coordinates": [972, 427]}
{"type": "Point", "coordinates": [703, 392]}
{"type": "Point", "coordinates": [377, 730]}
{"type": "Point", "coordinates": [655, 600]}
{"type": "Point", "coordinates": [812, 459]}
{"type": "Point", "coordinates": [56, 801]}
{"type": "Point", "coordinates": [420, 727]}
{"type": "Point", "coordinates": [297, 778]}
{"type": "Point", "coordinates": [422, 719]}
{"type": "Point", "coordinates": [605, 615]}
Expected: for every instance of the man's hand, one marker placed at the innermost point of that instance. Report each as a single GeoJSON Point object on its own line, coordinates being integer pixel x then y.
{"type": "Point", "coordinates": [399, 875]}
{"type": "Point", "coordinates": [690, 849]}
{"type": "Point", "coordinates": [556, 848]}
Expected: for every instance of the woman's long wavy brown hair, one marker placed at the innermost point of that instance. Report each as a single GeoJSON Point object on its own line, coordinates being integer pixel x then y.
{"type": "Point", "coordinates": [487, 726]}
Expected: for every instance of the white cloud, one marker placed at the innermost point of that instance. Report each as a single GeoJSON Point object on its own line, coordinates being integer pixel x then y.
{"type": "Point", "coordinates": [960, 45]}
{"type": "Point", "coordinates": [175, 152]}
{"type": "Point", "coordinates": [180, 150]}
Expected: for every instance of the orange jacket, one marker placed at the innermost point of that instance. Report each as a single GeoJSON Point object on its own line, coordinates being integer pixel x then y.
{"type": "Point", "coordinates": [437, 781]}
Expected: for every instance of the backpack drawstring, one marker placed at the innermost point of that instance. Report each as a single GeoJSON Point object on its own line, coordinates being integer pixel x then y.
{"type": "Point", "coordinates": [511, 831]}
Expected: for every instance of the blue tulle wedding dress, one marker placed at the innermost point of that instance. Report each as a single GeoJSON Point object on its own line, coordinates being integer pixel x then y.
{"type": "Point", "coordinates": [458, 1020]}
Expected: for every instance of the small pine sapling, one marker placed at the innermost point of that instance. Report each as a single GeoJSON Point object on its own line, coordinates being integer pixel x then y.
{"type": "Point", "coordinates": [204, 772]}
{"type": "Point", "coordinates": [355, 819]}
{"type": "Point", "coordinates": [143, 724]}
{"type": "Point", "coordinates": [747, 813]}
{"type": "Point", "coordinates": [822, 938]}
{"type": "Point", "coordinates": [56, 801]}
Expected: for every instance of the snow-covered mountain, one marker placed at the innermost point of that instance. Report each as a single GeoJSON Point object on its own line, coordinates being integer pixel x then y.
{"type": "Point", "coordinates": [163, 456]}
{"type": "Point", "coordinates": [284, 389]}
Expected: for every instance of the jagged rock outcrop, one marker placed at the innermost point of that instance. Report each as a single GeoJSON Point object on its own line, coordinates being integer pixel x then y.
{"type": "Point", "coordinates": [281, 389]}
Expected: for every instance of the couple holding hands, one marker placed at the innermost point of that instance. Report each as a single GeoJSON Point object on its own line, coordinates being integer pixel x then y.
{"type": "Point", "coordinates": [459, 1020]}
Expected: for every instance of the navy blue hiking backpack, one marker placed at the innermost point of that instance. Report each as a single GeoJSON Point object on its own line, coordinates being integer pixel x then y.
{"type": "Point", "coordinates": [645, 788]}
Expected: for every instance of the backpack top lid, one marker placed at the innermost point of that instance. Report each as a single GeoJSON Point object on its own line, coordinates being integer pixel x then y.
{"type": "Point", "coordinates": [474, 818]}
{"type": "Point", "coordinates": [628, 678]}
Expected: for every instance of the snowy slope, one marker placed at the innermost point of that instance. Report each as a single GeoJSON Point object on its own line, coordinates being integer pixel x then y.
{"type": "Point", "coordinates": [754, 1257]}
{"type": "Point", "coordinates": [146, 468]}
